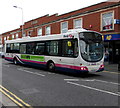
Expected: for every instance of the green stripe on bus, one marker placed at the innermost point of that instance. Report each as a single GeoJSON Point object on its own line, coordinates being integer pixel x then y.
{"type": "Point", "coordinates": [34, 58]}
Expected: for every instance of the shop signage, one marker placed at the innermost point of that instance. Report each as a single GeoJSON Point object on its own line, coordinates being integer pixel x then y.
{"type": "Point", "coordinates": [116, 21]}
{"type": "Point", "coordinates": [109, 37]}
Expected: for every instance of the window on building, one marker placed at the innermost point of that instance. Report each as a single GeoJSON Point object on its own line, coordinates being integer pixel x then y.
{"type": "Point", "coordinates": [16, 35]}
{"type": "Point", "coordinates": [13, 36]}
{"type": "Point", "coordinates": [40, 32]}
{"type": "Point", "coordinates": [107, 21]}
{"type": "Point", "coordinates": [64, 27]}
{"type": "Point", "coordinates": [30, 33]}
{"type": "Point", "coordinates": [48, 30]}
{"type": "Point", "coordinates": [78, 23]}
{"type": "Point", "coordinates": [5, 38]}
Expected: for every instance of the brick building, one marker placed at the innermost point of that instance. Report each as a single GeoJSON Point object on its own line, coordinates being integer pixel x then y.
{"type": "Point", "coordinates": [103, 17]}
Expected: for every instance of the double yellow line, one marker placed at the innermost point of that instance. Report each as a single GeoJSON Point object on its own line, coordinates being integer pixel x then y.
{"type": "Point", "coordinates": [14, 98]}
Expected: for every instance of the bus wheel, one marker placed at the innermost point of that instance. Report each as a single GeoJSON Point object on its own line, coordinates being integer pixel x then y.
{"type": "Point", "coordinates": [51, 66]}
{"type": "Point", "coordinates": [15, 61]}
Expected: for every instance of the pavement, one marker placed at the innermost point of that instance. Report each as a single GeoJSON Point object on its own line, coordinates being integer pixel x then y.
{"type": "Point", "coordinates": [111, 67]}
{"type": "Point", "coordinates": [7, 102]}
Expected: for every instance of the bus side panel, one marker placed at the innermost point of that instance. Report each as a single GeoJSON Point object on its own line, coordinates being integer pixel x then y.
{"type": "Point", "coordinates": [34, 63]}
{"type": "Point", "coordinates": [9, 59]}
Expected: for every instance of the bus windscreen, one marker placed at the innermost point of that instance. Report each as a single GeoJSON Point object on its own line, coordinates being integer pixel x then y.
{"type": "Point", "coordinates": [90, 36]}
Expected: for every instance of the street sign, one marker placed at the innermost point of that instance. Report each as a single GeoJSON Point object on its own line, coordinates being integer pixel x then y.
{"type": "Point", "coordinates": [116, 21]}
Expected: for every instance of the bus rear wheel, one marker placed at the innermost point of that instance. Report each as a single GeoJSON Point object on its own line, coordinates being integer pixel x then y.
{"type": "Point", "coordinates": [15, 61]}
{"type": "Point", "coordinates": [51, 66]}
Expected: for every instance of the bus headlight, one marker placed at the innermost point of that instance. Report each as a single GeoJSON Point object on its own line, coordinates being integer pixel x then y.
{"type": "Point", "coordinates": [83, 68]}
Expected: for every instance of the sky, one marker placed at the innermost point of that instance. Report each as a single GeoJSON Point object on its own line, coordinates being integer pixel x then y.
{"type": "Point", "coordinates": [11, 18]}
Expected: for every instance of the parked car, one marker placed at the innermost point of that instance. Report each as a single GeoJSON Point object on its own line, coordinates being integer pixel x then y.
{"type": "Point", "coordinates": [2, 54]}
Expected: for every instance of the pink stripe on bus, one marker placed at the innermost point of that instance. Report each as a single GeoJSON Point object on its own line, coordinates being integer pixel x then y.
{"type": "Point", "coordinates": [68, 66]}
{"type": "Point", "coordinates": [8, 58]}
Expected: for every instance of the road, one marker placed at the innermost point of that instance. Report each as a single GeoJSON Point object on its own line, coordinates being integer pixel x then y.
{"type": "Point", "coordinates": [38, 87]}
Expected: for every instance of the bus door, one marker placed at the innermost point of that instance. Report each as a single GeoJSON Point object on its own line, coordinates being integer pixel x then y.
{"type": "Point", "coordinates": [69, 52]}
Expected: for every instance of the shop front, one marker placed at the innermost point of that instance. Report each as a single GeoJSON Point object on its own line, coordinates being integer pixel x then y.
{"type": "Point", "coordinates": [112, 48]}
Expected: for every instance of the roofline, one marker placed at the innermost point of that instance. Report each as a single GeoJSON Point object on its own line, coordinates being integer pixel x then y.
{"type": "Point", "coordinates": [104, 7]}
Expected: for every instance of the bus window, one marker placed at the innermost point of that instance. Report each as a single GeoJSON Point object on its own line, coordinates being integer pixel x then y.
{"type": "Point", "coordinates": [76, 50]}
{"type": "Point", "coordinates": [8, 49]}
{"type": "Point", "coordinates": [16, 48]}
{"type": "Point", "coordinates": [12, 48]}
{"type": "Point", "coordinates": [40, 48]}
{"type": "Point", "coordinates": [30, 48]}
{"type": "Point", "coordinates": [70, 48]}
{"type": "Point", "coordinates": [23, 48]}
{"type": "Point", "coordinates": [52, 47]}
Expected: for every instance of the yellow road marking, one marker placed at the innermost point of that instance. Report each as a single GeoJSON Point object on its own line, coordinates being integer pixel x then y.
{"type": "Point", "coordinates": [14, 96]}
{"type": "Point", "coordinates": [111, 72]}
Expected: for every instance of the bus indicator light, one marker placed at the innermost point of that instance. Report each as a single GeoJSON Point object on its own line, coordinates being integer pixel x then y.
{"type": "Point", "coordinates": [81, 64]}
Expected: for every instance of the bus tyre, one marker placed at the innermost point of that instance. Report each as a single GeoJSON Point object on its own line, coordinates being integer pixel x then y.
{"type": "Point", "coordinates": [15, 61]}
{"type": "Point", "coordinates": [51, 66]}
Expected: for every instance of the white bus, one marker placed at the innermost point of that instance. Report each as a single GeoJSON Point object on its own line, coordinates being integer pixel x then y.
{"type": "Point", "coordinates": [78, 50]}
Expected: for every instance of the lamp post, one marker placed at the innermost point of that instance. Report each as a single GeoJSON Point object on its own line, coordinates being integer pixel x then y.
{"type": "Point", "coordinates": [22, 19]}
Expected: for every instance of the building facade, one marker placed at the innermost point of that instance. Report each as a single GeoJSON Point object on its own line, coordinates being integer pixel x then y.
{"type": "Point", "coordinates": [103, 17]}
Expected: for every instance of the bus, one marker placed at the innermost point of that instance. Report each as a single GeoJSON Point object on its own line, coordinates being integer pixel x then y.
{"type": "Point", "coordinates": [78, 50]}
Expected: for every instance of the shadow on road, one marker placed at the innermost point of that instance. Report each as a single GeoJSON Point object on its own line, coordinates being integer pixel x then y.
{"type": "Point", "coordinates": [77, 75]}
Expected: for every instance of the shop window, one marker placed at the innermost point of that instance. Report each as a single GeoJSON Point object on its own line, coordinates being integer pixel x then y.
{"type": "Point", "coordinates": [107, 21]}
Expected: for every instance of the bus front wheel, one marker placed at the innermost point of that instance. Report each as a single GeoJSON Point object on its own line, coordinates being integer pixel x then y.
{"type": "Point", "coordinates": [51, 66]}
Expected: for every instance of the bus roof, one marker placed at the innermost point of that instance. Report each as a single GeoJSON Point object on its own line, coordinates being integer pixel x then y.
{"type": "Point", "coordinates": [70, 34]}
